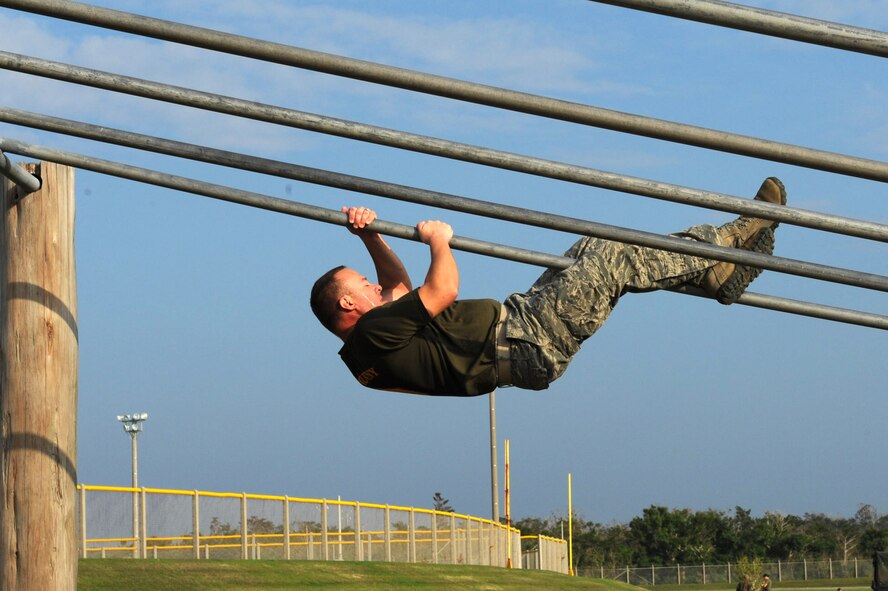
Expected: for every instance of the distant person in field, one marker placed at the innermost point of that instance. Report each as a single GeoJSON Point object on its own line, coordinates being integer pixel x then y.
{"type": "Point", "coordinates": [423, 340]}
{"type": "Point", "coordinates": [766, 582]}
{"type": "Point", "coordinates": [745, 584]}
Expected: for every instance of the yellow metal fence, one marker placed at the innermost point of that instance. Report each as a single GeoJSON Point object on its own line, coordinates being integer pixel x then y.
{"type": "Point", "coordinates": [164, 523]}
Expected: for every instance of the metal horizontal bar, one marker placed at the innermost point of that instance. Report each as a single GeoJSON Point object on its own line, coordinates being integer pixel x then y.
{"type": "Point", "coordinates": [455, 89]}
{"type": "Point", "coordinates": [422, 196]}
{"type": "Point", "coordinates": [439, 147]}
{"type": "Point", "coordinates": [24, 180]}
{"type": "Point", "coordinates": [388, 228]}
{"type": "Point", "coordinates": [767, 22]}
{"type": "Point", "coordinates": [802, 308]}
{"type": "Point", "coordinates": [260, 201]}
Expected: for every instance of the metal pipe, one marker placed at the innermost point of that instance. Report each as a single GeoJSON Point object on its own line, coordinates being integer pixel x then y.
{"type": "Point", "coordinates": [266, 202]}
{"type": "Point", "coordinates": [766, 22]}
{"type": "Point", "coordinates": [400, 192]}
{"type": "Point", "coordinates": [780, 264]}
{"type": "Point", "coordinates": [383, 227]}
{"type": "Point", "coordinates": [24, 180]}
{"type": "Point", "coordinates": [801, 308]}
{"type": "Point", "coordinates": [439, 147]}
{"type": "Point", "coordinates": [455, 89]}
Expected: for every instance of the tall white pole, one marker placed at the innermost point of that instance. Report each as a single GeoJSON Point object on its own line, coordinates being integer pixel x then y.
{"type": "Point", "coordinates": [132, 424]}
{"type": "Point", "coordinates": [508, 500]}
{"type": "Point", "coordinates": [339, 498]}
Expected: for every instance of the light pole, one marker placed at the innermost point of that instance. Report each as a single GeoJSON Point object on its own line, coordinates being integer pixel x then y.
{"type": "Point", "coordinates": [134, 424]}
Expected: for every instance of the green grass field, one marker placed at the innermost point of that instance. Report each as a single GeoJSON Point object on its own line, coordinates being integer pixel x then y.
{"type": "Point", "coordinates": [250, 575]}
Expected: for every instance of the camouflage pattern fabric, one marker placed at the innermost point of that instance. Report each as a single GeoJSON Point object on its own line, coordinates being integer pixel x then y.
{"type": "Point", "coordinates": [547, 324]}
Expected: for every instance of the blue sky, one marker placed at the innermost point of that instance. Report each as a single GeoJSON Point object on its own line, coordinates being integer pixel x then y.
{"type": "Point", "coordinates": [196, 311]}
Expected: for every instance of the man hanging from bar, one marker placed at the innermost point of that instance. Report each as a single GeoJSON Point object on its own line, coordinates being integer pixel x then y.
{"type": "Point", "coordinates": [425, 341]}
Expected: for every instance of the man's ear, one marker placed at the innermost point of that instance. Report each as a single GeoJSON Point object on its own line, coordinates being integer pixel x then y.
{"type": "Point", "coordinates": [346, 302]}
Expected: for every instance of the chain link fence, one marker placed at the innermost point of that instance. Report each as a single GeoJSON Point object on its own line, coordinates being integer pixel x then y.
{"type": "Point", "coordinates": [160, 523]}
{"type": "Point", "coordinates": [804, 570]}
{"type": "Point", "coordinates": [544, 553]}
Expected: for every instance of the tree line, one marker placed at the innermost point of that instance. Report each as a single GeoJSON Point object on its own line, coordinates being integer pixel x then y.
{"type": "Point", "coordinates": [662, 536]}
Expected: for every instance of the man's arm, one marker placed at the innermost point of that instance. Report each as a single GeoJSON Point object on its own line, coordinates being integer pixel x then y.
{"type": "Point", "coordinates": [390, 271]}
{"type": "Point", "coordinates": [442, 280]}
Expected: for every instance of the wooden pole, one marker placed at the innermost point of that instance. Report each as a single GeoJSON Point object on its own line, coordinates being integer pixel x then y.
{"type": "Point", "coordinates": [508, 502]}
{"type": "Point", "coordinates": [38, 384]}
{"type": "Point", "coordinates": [570, 529]}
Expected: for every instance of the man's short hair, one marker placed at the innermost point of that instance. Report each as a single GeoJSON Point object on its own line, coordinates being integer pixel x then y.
{"type": "Point", "coordinates": [325, 296]}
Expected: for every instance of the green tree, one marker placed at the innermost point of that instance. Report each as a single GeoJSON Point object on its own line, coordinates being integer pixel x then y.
{"type": "Point", "coordinates": [786, 541]}
{"type": "Point", "coordinates": [749, 569]}
{"type": "Point", "coordinates": [531, 526]}
{"type": "Point", "coordinates": [441, 504]}
{"type": "Point", "coordinates": [313, 527]}
{"type": "Point", "coordinates": [610, 546]}
{"type": "Point", "coordinates": [217, 528]}
{"type": "Point", "coordinates": [661, 535]}
{"type": "Point", "coordinates": [822, 535]}
{"type": "Point", "coordinates": [873, 540]}
{"type": "Point", "coordinates": [260, 525]}
{"type": "Point", "coordinates": [705, 536]}
{"type": "Point", "coordinates": [866, 517]}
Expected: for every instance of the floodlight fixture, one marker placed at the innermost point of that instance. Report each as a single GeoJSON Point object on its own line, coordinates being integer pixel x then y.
{"type": "Point", "coordinates": [133, 423]}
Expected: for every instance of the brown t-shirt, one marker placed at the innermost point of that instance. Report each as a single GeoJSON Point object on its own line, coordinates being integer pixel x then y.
{"type": "Point", "coordinates": [400, 347]}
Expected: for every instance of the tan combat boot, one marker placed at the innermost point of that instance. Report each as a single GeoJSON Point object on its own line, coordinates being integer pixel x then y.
{"type": "Point", "coordinates": [725, 281]}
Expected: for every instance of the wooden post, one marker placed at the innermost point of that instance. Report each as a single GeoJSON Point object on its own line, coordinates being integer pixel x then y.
{"type": "Point", "coordinates": [38, 384]}
{"type": "Point", "coordinates": [452, 539]}
{"type": "Point", "coordinates": [287, 531]}
{"type": "Point", "coordinates": [324, 538]}
{"type": "Point", "coordinates": [359, 546]}
{"type": "Point", "coordinates": [195, 524]}
{"type": "Point", "coordinates": [435, 538]}
{"type": "Point", "coordinates": [83, 547]}
{"type": "Point", "coordinates": [244, 555]}
{"type": "Point", "coordinates": [143, 523]}
{"type": "Point", "coordinates": [411, 536]}
{"type": "Point", "coordinates": [387, 534]}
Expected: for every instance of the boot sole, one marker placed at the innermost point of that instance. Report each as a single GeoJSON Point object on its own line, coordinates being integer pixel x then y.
{"type": "Point", "coordinates": [762, 241]}
{"type": "Point", "coordinates": [781, 188]}
{"type": "Point", "coordinates": [736, 284]}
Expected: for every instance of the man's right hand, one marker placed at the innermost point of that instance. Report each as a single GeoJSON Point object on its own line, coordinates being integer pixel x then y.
{"type": "Point", "coordinates": [358, 219]}
{"type": "Point", "coordinates": [433, 229]}
{"type": "Point", "coordinates": [441, 285]}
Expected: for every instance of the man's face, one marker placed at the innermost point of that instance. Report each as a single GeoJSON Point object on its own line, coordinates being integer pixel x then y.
{"type": "Point", "coordinates": [364, 295]}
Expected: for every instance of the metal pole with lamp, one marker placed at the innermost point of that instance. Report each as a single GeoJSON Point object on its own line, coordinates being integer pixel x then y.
{"type": "Point", "coordinates": [134, 424]}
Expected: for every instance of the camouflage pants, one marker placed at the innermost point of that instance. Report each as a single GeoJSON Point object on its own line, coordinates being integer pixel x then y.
{"type": "Point", "coordinates": [547, 324]}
